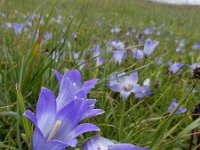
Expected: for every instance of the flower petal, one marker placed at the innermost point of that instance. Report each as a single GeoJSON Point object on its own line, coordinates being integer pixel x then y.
{"type": "Point", "coordinates": [58, 75]}
{"type": "Point", "coordinates": [75, 77]}
{"type": "Point", "coordinates": [66, 93]}
{"type": "Point", "coordinates": [125, 147]}
{"type": "Point", "coordinates": [45, 111]}
{"type": "Point", "coordinates": [31, 116]}
{"type": "Point", "coordinates": [40, 143]}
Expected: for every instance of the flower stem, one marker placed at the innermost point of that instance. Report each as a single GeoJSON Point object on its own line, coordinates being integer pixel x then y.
{"type": "Point", "coordinates": [121, 125]}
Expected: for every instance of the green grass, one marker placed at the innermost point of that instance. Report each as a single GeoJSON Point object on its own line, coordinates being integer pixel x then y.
{"type": "Point", "coordinates": [23, 61]}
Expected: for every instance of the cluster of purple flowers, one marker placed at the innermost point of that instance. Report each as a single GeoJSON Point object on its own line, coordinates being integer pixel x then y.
{"type": "Point", "coordinates": [57, 119]}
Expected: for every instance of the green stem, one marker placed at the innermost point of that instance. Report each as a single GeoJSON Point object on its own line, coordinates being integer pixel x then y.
{"type": "Point", "coordinates": [121, 125]}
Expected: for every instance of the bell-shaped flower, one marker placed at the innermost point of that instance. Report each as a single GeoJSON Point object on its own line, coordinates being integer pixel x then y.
{"type": "Point", "coordinates": [101, 143]}
{"type": "Point", "coordinates": [196, 46]}
{"type": "Point", "coordinates": [48, 36]}
{"type": "Point", "coordinates": [123, 84]}
{"type": "Point", "coordinates": [173, 68]}
{"type": "Point", "coordinates": [118, 55]}
{"type": "Point", "coordinates": [149, 46]}
{"type": "Point", "coordinates": [97, 53]}
{"type": "Point", "coordinates": [137, 53]}
{"type": "Point", "coordinates": [117, 44]}
{"type": "Point", "coordinates": [142, 91]}
{"type": "Point", "coordinates": [55, 130]}
{"type": "Point", "coordinates": [71, 88]}
{"type": "Point", "coordinates": [173, 105]}
{"type": "Point", "coordinates": [18, 28]}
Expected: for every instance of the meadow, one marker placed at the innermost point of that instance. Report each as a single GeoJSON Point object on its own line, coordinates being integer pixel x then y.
{"type": "Point", "coordinates": [128, 73]}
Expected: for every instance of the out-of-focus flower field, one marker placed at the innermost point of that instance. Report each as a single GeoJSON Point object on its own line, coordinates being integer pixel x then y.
{"type": "Point", "coordinates": [99, 75]}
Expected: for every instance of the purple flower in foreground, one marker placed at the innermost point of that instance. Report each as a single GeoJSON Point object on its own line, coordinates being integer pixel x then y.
{"type": "Point", "coordinates": [18, 27]}
{"type": "Point", "coordinates": [123, 84]}
{"type": "Point", "coordinates": [71, 87]}
{"type": "Point", "coordinates": [100, 143]}
{"type": "Point", "coordinates": [142, 91]}
{"type": "Point", "coordinates": [173, 68]}
{"type": "Point", "coordinates": [55, 130]}
{"type": "Point", "coordinates": [173, 105]}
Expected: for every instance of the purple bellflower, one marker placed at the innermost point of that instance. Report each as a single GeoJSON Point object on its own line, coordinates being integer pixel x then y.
{"type": "Point", "coordinates": [181, 45]}
{"type": "Point", "coordinates": [48, 36]}
{"type": "Point", "coordinates": [100, 143]}
{"type": "Point", "coordinates": [97, 53]}
{"type": "Point", "coordinates": [142, 91]}
{"type": "Point", "coordinates": [173, 68]}
{"type": "Point", "coordinates": [137, 53]}
{"type": "Point", "coordinates": [55, 130]}
{"type": "Point", "coordinates": [71, 86]}
{"type": "Point", "coordinates": [173, 105]}
{"type": "Point", "coordinates": [118, 44]}
{"type": "Point", "coordinates": [118, 55]}
{"type": "Point", "coordinates": [115, 30]}
{"type": "Point", "coordinates": [18, 28]}
{"type": "Point", "coordinates": [149, 31]}
{"type": "Point", "coordinates": [123, 84]}
{"type": "Point", "coordinates": [149, 47]}
{"type": "Point", "coordinates": [196, 46]}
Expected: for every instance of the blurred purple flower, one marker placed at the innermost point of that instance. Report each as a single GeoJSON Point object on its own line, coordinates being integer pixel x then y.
{"type": "Point", "coordinates": [59, 19]}
{"type": "Point", "coordinates": [76, 55]}
{"type": "Point", "coordinates": [149, 46]}
{"type": "Point", "coordinates": [99, 61]}
{"type": "Point", "coordinates": [123, 84]}
{"type": "Point", "coordinates": [142, 91]}
{"type": "Point", "coordinates": [181, 45]}
{"type": "Point", "coordinates": [173, 105]}
{"type": "Point", "coordinates": [173, 68]}
{"type": "Point", "coordinates": [137, 53]}
{"type": "Point", "coordinates": [18, 28]}
{"type": "Point", "coordinates": [117, 44]}
{"type": "Point", "coordinates": [101, 143]}
{"type": "Point", "coordinates": [118, 55]}
{"type": "Point", "coordinates": [115, 30]}
{"type": "Point", "coordinates": [48, 36]}
{"type": "Point", "coordinates": [192, 67]}
{"type": "Point", "coordinates": [97, 52]}
{"type": "Point", "coordinates": [131, 31]}
{"type": "Point", "coordinates": [55, 130]}
{"type": "Point", "coordinates": [149, 31]}
{"type": "Point", "coordinates": [196, 46]}
{"type": "Point", "coordinates": [8, 25]}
